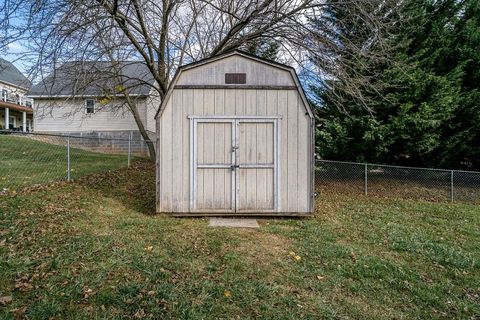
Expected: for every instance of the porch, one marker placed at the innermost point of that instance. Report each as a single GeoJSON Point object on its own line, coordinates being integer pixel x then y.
{"type": "Point", "coordinates": [15, 117]}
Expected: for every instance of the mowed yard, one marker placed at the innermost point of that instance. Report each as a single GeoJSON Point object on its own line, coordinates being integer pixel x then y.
{"type": "Point", "coordinates": [94, 249]}
{"type": "Point", "coordinates": [25, 161]}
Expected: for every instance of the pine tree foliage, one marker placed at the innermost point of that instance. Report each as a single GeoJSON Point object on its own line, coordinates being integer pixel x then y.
{"type": "Point", "coordinates": [421, 99]}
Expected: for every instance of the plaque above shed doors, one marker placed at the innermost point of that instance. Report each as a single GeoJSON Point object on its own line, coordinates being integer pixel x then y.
{"type": "Point", "coordinates": [235, 78]}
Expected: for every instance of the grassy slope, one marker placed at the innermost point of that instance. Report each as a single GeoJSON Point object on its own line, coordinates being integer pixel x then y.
{"type": "Point", "coordinates": [87, 250]}
{"type": "Point", "coordinates": [25, 162]}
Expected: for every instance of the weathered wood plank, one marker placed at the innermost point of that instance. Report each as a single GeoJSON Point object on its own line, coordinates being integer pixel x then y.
{"type": "Point", "coordinates": [230, 102]}
{"type": "Point", "coordinates": [213, 73]}
{"type": "Point", "coordinates": [187, 109]}
{"type": "Point", "coordinates": [303, 160]}
{"type": "Point", "coordinates": [166, 155]}
{"type": "Point", "coordinates": [159, 167]}
{"type": "Point", "coordinates": [177, 152]}
{"type": "Point", "coordinates": [272, 102]}
{"type": "Point", "coordinates": [241, 104]}
{"type": "Point", "coordinates": [292, 150]}
{"type": "Point", "coordinates": [284, 151]}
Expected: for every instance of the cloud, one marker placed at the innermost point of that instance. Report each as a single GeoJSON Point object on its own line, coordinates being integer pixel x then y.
{"type": "Point", "coordinates": [16, 48]}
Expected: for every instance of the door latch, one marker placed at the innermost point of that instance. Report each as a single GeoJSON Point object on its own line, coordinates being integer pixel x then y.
{"type": "Point", "coordinates": [234, 148]}
{"type": "Point", "coordinates": [234, 166]}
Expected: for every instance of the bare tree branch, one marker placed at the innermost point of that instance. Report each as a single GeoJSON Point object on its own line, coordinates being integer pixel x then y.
{"type": "Point", "coordinates": [164, 34]}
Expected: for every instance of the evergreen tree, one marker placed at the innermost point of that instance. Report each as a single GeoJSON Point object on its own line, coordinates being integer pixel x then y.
{"type": "Point", "coordinates": [264, 48]}
{"type": "Point", "coordinates": [423, 109]}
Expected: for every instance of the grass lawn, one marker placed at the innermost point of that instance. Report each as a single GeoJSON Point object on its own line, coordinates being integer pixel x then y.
{"type": "Point", "coordinates": [25, 162]}
{"type": "Point", "coordinates": [90, 250]}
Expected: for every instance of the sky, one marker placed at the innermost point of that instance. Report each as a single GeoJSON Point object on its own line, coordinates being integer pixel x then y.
{"type": "Point", "coordinates": [14, 54]}
{"type": "Point", "coordinates": [15, 51]}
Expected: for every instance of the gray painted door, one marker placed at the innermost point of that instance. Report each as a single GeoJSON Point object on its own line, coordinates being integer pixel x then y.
{"type": "Point", "coordinates": [214, 160]}
{"type": "Point", "coordinates": [255, 158]}
{"type": "Point", "coordinates": [234, 165]}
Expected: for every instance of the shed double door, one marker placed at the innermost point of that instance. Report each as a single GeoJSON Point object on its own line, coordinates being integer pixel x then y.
{"type": "Point", "coordinates": [234, 165]}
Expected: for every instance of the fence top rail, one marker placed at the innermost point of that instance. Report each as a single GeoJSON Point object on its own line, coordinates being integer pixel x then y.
{"type": "Point", "coordinates": [397, 167]}
{"type": "Point", "coordinates": [20, 133]}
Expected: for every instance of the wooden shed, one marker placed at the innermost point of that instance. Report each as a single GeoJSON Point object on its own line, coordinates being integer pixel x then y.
{"type": "Point", "coordinates": [235, 137]}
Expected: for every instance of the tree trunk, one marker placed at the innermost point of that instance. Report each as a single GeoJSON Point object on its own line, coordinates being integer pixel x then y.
{"type": "Point", "coordinates": [141, 128]}
{"type": "Point", "coordinates": [150, 144]}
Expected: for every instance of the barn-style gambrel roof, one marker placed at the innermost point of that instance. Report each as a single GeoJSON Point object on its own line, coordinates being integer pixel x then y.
{"type": "Point", "coordinates": [243, 54]}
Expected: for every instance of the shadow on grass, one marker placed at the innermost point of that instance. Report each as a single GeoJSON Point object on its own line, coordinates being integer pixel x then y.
{"type": "Point", "coordinates": [134, 187]}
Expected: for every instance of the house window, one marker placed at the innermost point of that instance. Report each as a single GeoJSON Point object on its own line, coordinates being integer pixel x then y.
{"type": "Point", "coordinates": [4, 94]}
{"type": "Point", "coordinates": [28, 104]}
{"type": "Point", "coordinates": [89, 106]}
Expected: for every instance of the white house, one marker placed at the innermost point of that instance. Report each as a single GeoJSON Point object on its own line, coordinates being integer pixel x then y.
{"type": "Point", "coordinates": [235, 137]}
{"type": "Point", "coordinates": [15, 108]}
{"type": "Point", "coordinates": [85, 99]}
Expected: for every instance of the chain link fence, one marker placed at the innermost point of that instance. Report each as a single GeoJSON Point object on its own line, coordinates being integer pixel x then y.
{"type": "Point", "coordinates": [397, 182]}
{"type": "Point", "coordinates": [28, 159]}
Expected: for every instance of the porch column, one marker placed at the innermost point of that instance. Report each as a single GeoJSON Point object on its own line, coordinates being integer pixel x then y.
{"type": "Point", "coordinates": [7, 118]}
{"type": "Point", "coordinates": [24, 118]}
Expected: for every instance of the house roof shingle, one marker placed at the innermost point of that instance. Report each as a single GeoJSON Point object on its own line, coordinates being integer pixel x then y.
{"type": "Point", "coordinates": [11, 75]}
{"type": "Point", "coordinates": [94, 78]}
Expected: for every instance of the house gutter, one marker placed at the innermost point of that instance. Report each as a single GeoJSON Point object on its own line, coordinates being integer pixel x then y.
{"type": "Point", "coordinates": [15, 107]}
{"type": "Point", "coordinates": [14, 85]}
{"type": "Point", "coordinates": [80, 97]}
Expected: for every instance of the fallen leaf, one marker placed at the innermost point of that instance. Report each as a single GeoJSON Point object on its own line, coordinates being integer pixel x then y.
{"type": "Point", "coordinates": [320, 277]}
{"type": "Point", "coordinates": [353, 256]}
{"type": "Point", "coordinates": [87, 293]}
{"type": "Point", "coordinates": [227, 294]}
{"type": "Point", "coordinates": [5, 300]}
{"type": "Point", "coordinates": [140, 314]}
{"type": "Point", "coordinates": [19, 311]}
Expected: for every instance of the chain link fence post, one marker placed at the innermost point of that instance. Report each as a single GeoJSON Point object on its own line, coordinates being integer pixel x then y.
{"type": "Point", "coordinates": [129, 149]}
{"type": "Point", "coordinates": [366, 179]}
{"type": "Point", "coordinates": [451, 186]}
{"type": "Point", "coordinates": [68, 158]}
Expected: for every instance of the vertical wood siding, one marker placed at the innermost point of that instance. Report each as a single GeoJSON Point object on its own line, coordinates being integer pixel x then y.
{"type": "Point", "coordinates": [256, 141]}
{"type": "Point", "coordinates": [214, 185]}
{"type": "Point", "coordinates": [294, 133]}
{"type": "Point", "coordinates": [257, 73]}
{"type": "Point", "coordinates": [174, 141]}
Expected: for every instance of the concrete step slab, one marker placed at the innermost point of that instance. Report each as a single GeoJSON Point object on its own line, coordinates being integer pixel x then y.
{"type": "Point", "coordinates": [233, 223]}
